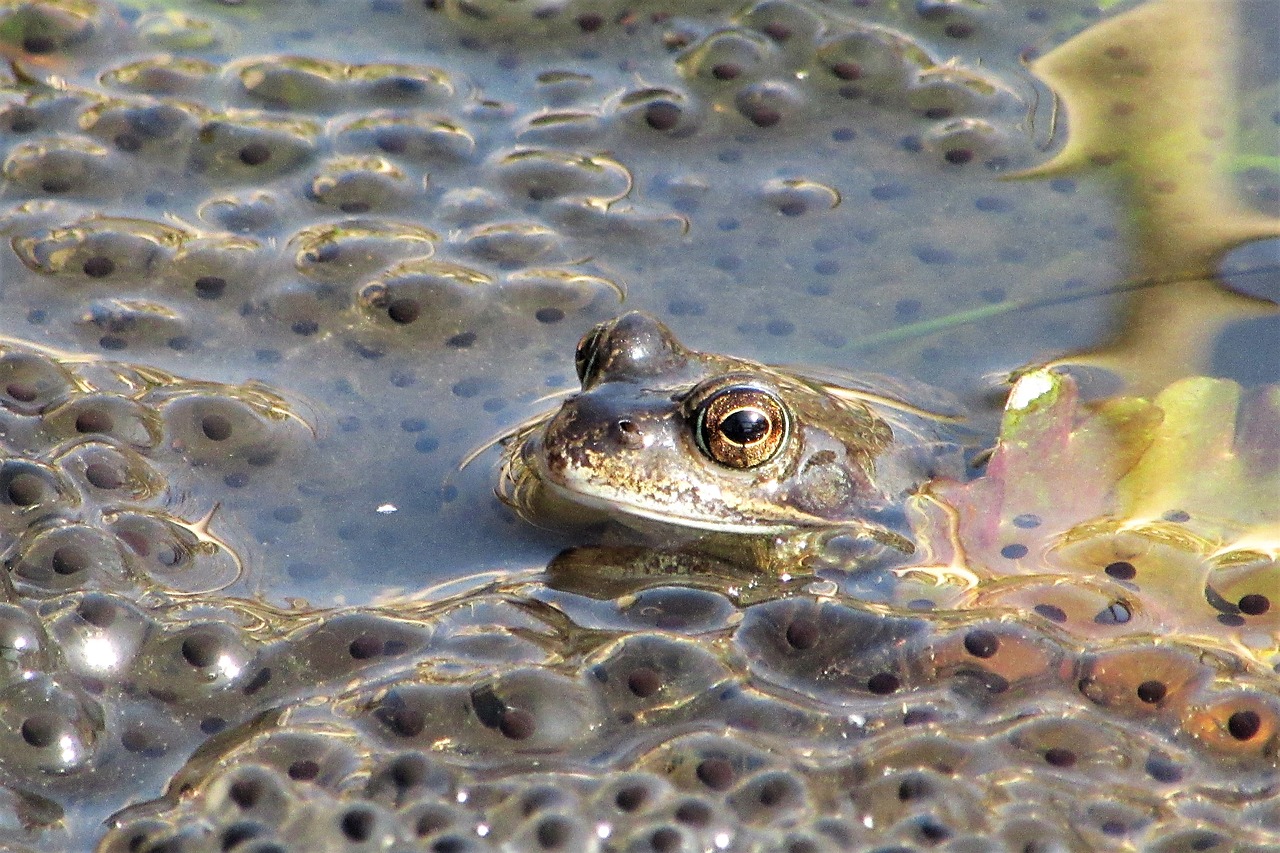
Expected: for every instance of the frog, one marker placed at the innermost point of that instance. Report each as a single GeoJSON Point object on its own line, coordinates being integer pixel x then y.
{"type": "Point", "coordinates": [767, 466]}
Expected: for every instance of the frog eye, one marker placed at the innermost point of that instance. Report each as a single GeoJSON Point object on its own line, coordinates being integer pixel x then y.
{"type": "Point", "coordinates": [741, 426]}
{"type": "Point", "coordinates": [584, 356]}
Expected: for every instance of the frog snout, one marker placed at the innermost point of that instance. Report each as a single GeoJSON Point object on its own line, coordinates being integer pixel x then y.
{"type": "Point", "coordinates": [587, 424]}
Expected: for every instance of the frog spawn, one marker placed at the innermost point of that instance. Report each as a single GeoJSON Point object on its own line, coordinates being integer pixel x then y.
{"type": "Point", "coordinates": [95, 457]}
{"type": "Point", "coordinates": [929, 701]}
{"type": "Point", "coordinates": [380, 166]}
{"type": "Point", "coordinates": [805, 720]}
{"type": "Point", "coordinates": [95, 452]}
{"type": "Point", "coordinates": [242, 149]}
{"type": "Point", "coordinates": [774, 65]}
{"type": "Point", "coordinates": [239, 152]}
{"type": "Point", "coordinates": [208, 135]}
{"type": "Point", "coordinates": [794, 680]}
{"type": "Point", "coordinates": [770, 740]}
{"type": "Point", "coordinates": [501, 270]}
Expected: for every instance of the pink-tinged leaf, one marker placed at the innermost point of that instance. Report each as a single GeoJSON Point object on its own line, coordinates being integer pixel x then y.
{"type": "Point", "coordinates": [1056, 465]}
{"type": "Point", "coordinates": [1119, 518]}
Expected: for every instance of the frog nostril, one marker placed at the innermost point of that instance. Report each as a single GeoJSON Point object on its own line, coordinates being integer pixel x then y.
{"type": "Point", "coordinates": [628, 433]}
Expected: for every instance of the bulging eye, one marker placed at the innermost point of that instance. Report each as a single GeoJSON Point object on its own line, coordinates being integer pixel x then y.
{"type": "Point", "coordinates": [741, 426]}
{"type": "Point", "coordinates": [584, 356]}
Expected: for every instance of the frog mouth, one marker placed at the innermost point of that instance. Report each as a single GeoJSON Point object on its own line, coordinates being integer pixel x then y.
{"type": "Point", "coordinates": [628, 512]}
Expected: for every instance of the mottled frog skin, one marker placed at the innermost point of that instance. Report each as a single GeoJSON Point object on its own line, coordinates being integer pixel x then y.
{"type": "Point", "coordinates": [685, 445]}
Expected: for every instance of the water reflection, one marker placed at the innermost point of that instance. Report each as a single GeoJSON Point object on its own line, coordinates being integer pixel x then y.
{"type": "Point", "coordinates": [1148, 97]}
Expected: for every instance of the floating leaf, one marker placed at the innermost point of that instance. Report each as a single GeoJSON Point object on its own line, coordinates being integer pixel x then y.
{"type": "Point", "coordinates": [1127, 516]}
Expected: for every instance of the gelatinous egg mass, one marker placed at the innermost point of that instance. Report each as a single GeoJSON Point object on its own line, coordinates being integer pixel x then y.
{"type": "Point", "coordinates": [271, 271]}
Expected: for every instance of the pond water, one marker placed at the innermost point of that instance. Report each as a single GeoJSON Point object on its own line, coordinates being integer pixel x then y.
{"type": "Point", "coordinates": [276, 268]}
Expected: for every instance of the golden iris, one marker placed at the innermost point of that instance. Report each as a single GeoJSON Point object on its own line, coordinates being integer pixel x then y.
{"type": "Point", "coordinates": [741, 426]}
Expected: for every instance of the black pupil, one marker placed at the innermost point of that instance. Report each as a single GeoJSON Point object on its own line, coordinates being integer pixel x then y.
{"type": "Point", "coordinates": [745, 426]}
